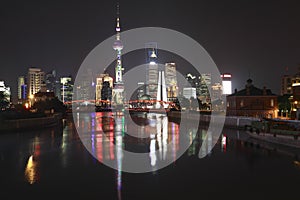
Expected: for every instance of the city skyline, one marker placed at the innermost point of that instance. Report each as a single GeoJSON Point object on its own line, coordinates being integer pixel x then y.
{"type": "Point", "coordinates": [261, 37]}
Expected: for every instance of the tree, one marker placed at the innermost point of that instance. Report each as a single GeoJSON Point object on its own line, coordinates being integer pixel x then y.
{"type": "Point", "coordinates": [284, 104]}
{"type": "Point", "coordinates": [50, 104]}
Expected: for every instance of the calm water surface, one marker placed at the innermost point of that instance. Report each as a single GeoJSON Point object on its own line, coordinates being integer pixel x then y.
{"type": "Point", "coordinates": [54, 163]}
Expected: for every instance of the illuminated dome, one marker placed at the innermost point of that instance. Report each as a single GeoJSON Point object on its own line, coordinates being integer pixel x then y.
{"type": "Point", "coordinates": [118, 45]}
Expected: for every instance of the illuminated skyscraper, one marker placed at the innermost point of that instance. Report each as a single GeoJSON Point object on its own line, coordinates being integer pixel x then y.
{"type": "Point", "coordinates": [152, 68]}
{"type": "Point", "coordinates": [5, 90]}
{"type": "Point", "coordinates": [102, 79]}
{"type": "Point", "coordinates": [203, 88]}
{"type": "Point", "coordinates": [50, 80]}
{"type": "Point", "coordinates": [85, 88]}
{"type": "Point", "coordinates": [21, 87]}
{"type": "Point", "coordinates": [226, 82]}
{"type": "Point", "coordinates": [66, 90]}
{"type": "Point", "coordinates": [118, 91]}
{"type": "Point", "coordinates": [35, 81]}
{"type": "Point", "coordinates": [171, 81]}
{"type": "Point", "coordinates": [161, 90]}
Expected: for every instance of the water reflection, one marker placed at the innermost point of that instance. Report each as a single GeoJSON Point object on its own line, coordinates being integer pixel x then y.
{"type": "Point", "coordinates": [150, 133]}
{"type": "Point", "coordinates": [40, 156]}
{"type": "Point", "coordinates": [31, 171]}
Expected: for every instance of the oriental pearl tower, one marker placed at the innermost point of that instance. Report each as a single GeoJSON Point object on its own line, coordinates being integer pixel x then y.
{"type": "Point", "coordinates": [118, 91]}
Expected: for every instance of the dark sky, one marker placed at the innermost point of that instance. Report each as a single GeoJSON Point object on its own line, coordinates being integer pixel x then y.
{"type": "Point", "coordinates": [246, 38]}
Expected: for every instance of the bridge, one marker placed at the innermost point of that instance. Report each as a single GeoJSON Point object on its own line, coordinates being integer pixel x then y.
{"type": "Point", "coordinates": [131, 105]}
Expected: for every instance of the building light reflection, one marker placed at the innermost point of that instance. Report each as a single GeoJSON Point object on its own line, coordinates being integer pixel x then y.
{"type": "Point", "coordinates": [152, 153]}
{"type": "Point", "coordinates": [223, 143]}
{"type": "Point", "coordinates": [31, 173]}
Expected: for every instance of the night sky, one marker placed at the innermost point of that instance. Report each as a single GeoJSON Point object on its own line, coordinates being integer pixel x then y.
{"type": "Point", "coordinates": [256, 39]}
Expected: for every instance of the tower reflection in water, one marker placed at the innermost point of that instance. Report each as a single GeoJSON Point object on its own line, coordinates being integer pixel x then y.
{"type": "Point", "coordinates": [107, 135]}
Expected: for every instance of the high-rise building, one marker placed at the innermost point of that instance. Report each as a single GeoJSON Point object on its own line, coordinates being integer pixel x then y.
{"type": "Point", "coordinates": [66, 91]}
{"type": "Point", "coordinates": [152, 69]}
{"type": "Point", "coordinates": [84, 90]}
{"type": "Point", "coordinates": [226, 82]}
{"type": "Point", "coordinates": [106, 92]}
{"type": "Point", "coordinates": [216, 91]}
{"type": "Point", "coordinates": [100, 79]}
{"type": "Point", "coordinates": [118, 91]}
{"type": "Point", "coordinates": [286, 85]}
{"type": "Point", "coordinates": [171, 81]}
{"type": "Point", "coordinates": [189, 92]}
{"type": "Point", "coordinates": [35, 81]}
{"type": "Point", "coordinates": [161, 91]}
{"type": "Point", "coordinates": [141, 90]}
{"type": "Point", "coordinates": [21, 88]}
{"type": "Point", "coordinates": [203, 88]}
{"type": "Point", "coordinates": [5, 90]}
{"type": "Point", "coordinates": [50, 81]}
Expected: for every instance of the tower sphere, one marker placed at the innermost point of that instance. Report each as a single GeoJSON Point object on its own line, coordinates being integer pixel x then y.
{"type": "Point", "coordinates": [118, 45]}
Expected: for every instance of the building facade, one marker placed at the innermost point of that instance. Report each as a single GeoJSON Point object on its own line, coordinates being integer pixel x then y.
{"type": "Point", "coordinates": [35, 81]}
{"type": "Point", "coordinates": [171, 81]}
{"type": "Point", "coordinates": [226, 83]}
{"type": "Point", "coordinates": [286, 85]}
{"type": "Point", "coordinates": [22, 93]}
{"type": "Point", "coordinates": [50, 81]}
{"type": "Point", "coordinates": [66, 89]}
{"type": "Point", "coordinates": [152, 69]}
{"type": "Point", "coordinates": [104, 84]}
{"type": "Point", "coordinates": [252, 102]}
{"type": "Point", "coordinates": [203, 88]}
{"type": "Point", "coordinates": [5, 90]}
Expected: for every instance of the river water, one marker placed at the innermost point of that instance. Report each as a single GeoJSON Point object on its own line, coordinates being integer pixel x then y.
{"type": "Point", "coordinates": [55, 163]}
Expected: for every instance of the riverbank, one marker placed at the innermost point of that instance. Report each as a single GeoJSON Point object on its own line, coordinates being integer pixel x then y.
{"type": "Point", "coordinates": [235, 122]}
{"type": "Point", "coordinates": [10, 125]}
{"type": "Point", "coordinates": [279, 139]}
{"type": "Point", "coordinates": [240, 123]}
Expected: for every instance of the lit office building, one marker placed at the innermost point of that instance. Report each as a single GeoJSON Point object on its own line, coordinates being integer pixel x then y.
{"type": "Point", "coordinates": [66, 91]}
{"type": "Point", "coordinates": [84, 89]}
{"type": "Point", "coordinates": [100, 80]}
{"type": "Point", "coordinates": [35, 81]}
{"type": "Point", "coordinates": [286, 85]}
{"type": "Point", "coordinates": [171, 81]}
{"type": "Point", "coordinates": [152, 69]}
{"type": "Point", "coordinates": [189, 92]}
{"type": "Point", "coordinates": [141, 91]}
{"type": "Point", "coordinates": [203, 88]}
{"type": "Point", "coordinates": [21, 88]}
{"type": "Point", "coordinates": [5, 90]}
{"type": "Point", "coordinates": [216, 91]}
{"type": "Point", "coordinates": [226, 82]}
{"type": "Point", "coordinates": [50, 80]}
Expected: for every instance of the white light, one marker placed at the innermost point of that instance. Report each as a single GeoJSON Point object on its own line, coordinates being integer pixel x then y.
{"type": "Point", "coordinates": [227, 87]}
{"type": "Point", "coordinates": [152, 63]}
{"type": "Point", "coordinates": [296, 84]}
